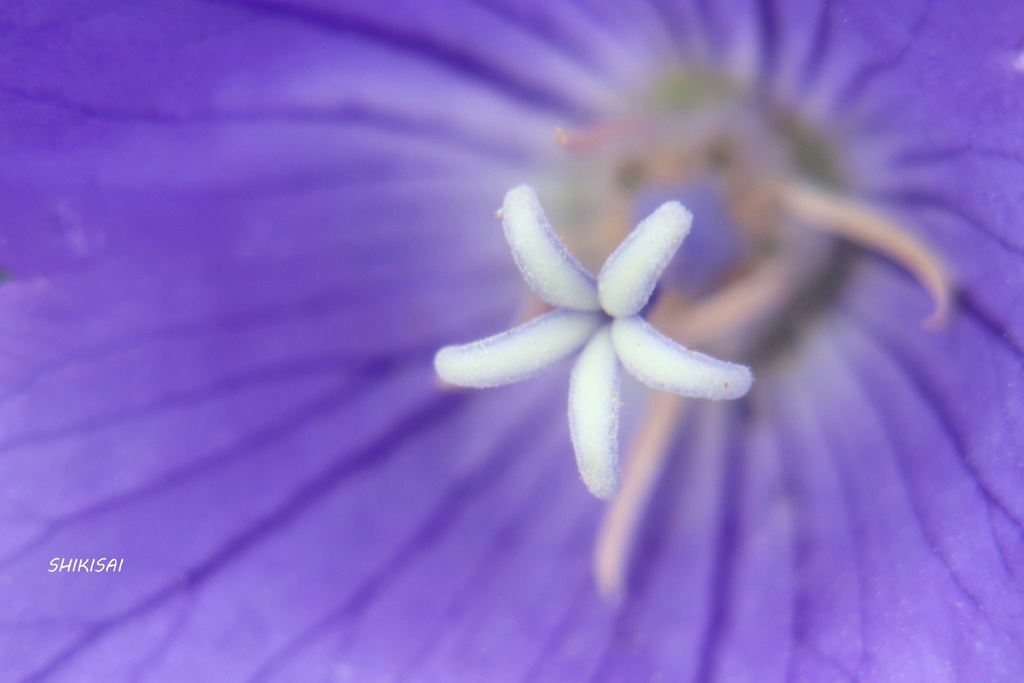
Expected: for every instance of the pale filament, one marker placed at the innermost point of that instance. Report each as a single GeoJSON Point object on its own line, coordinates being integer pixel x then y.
{"type": "Point", "coordinates": [596, 136]}
{"type": "Point", "coordinates": [758, 294]}
{"type": "Point", "coordinates": [621, 522]}
{"type": "Point", "coordinates": [857, 223]}
{"type": "Point", "coordinates": [661, 164]}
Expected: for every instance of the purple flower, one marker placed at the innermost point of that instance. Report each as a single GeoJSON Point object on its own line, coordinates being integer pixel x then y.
{"type": "Point", "coordinates": [236, 233]}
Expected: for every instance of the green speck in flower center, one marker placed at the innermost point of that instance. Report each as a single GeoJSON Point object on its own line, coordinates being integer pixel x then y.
{"type": "Point", "coordinates": [681, 90]}
{"type": "Point", "coordinates": [813, 156]}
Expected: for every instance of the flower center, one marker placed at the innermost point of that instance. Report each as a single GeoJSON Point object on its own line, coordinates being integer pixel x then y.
{"type": "Point", "coordinates": [777, 233]}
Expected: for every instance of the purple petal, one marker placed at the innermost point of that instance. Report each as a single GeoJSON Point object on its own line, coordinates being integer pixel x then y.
{"type": "Point", "coordinates": [237, 234]}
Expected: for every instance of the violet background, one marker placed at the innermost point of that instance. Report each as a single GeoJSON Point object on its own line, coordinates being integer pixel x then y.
{"type": "Point", "coordinates": [236, 232]}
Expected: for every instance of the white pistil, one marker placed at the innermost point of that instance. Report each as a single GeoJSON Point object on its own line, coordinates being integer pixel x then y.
{"type": "Point", "coordinates": [613, 328]}
{"type": "Point", "coordinates": [628, 277]}
{"type": "Point", "coordinates": [859, 224]}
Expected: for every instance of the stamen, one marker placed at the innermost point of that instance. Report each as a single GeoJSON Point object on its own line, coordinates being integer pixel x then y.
{"type": "Point", "coordinates": [546, 265]}
{"type": "Point", "coordinates": [594, 415]}
{"type": "Point", "coordinates": [630, 274]}
{"type": "Point", "coordinates": [662, 364]}
{"type": "Point", "coordinates": [859, 224]}
{"type": "Point", "coordinates": [617, 535]}
{"type": "Point", "coordinates": [518, 353]}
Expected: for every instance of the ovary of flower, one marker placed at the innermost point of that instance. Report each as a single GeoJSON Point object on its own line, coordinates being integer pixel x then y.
{"type": "Point", "coordinates": [601, 316]}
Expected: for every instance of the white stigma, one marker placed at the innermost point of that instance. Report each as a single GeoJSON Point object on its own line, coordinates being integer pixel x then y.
{"type": "Point", "coordinates": [661, 363]}
{"type": "Point", "coordinates": [594, 414]}
{"type": "Point", "coordinates": [547, 266]}
{"type": "Point", "coordinates": [630, 274]}
{"type": "Point", "coordinates": [600, 314]}
{"type": "Point", "coordinates": [518, 353]}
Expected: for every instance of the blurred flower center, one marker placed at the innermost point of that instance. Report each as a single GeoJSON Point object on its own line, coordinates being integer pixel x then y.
{"type": "Point", "coordinates": [775, 233]}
